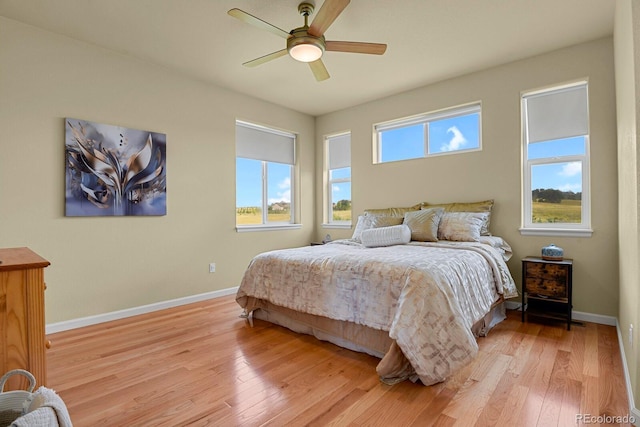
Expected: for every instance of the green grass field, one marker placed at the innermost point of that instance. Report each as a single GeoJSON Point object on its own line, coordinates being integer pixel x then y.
{"type": "Point", "coordinates": [342, 215]}
{"type": "Point", "coordinates": [256, 217]}
{"type": "Point", "coordinates": [245, 216]}
{"type": "Point", "coordinates": [569, 211]}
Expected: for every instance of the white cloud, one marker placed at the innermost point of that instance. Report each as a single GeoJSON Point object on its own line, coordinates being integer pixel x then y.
{"type": "Point", "coordinates": [285, 194]}
{"type": "Point", "coordinates": [285, 183]}
{"type": "Point", "coordinates": [571, 169]}
{"type": "Point", "coordinates": [576, 188]}
{"type": "Point", "coordinates": [457, 141]}
{"type": "Point", "coordinates": [335, 188]}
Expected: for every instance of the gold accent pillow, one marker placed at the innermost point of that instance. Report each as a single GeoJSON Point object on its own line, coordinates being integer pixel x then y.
{"type": "Point", "coordinates": [482, 206]}
{"type": "Point", "coordinates": [424, 224]}
{"type": "Point", "coordinates": [378, 221]}
{"type": "Point", "coordinates": [399, 212]}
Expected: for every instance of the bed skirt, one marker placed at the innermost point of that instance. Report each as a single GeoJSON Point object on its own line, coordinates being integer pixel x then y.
{"type": "Point", "coordinates": [394, 366]}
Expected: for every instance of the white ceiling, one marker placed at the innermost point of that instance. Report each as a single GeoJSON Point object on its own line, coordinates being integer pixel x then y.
{"type": "Point", "coordinates": [428, 40]}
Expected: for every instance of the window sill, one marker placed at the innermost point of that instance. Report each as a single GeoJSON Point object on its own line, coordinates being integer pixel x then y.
{"type": "Point", "coordinates": [560, 232]}
{"type": "Point", "coordinates": [268, 227]}
{"type": "Point", "coordinates": [341, 226]}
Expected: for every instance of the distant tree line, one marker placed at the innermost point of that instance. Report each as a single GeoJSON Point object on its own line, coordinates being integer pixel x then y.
{"type": "Point", "coordinates": [342, 205]}
{"type": "Point", "coordinates": [551, 195]}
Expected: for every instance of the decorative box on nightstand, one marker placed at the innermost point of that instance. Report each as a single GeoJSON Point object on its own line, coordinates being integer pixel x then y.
{"type": "Point", "coordinates": [546, 288]}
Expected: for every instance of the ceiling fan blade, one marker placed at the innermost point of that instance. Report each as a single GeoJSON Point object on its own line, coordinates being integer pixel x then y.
{"type": "Point", "coordinates": [319, 70]}
{"type": "Point", "coordinates": [328, 13]}
{"type": "Point", "coordinates": [266, 58]}
{"type": "Point", "coordinates": [356, 47]}
{"type": "Point", "coordinates": [257, 22]}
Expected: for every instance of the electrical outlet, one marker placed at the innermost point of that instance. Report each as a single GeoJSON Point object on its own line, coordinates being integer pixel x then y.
{"type": "Point", "coordinates": [631, 335]}
{"type": "Point", "coordinates": [212, 267]}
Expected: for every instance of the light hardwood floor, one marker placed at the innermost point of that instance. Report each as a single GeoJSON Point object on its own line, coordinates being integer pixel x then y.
{"type": "Point", "coordinates": [201, 364]}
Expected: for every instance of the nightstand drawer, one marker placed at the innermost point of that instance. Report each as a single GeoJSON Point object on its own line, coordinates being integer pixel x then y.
{"type": "Point", "coordinates": [547, 289]}
{"type": "Point", "coordinates": [546, 280]}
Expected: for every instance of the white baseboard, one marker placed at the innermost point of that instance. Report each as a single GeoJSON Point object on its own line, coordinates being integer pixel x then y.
{"type": "Point", "coordinates": [633, 410]}
{"type": "Point", "coordinates": [121, 314]}
{"type": "Point", "coordinates": [575, 315]}
{"type": "Point", "coordinates": [594, 318]}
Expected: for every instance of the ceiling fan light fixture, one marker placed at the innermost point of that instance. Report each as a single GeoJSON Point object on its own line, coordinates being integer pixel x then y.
{"type": "Point", "coordinates": [305, 52]}
{"type": "Point", "coordinates": [305, 48]}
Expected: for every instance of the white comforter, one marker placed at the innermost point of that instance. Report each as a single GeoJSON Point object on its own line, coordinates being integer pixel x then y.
{"type": "Point", "coordinates": [427, 295]}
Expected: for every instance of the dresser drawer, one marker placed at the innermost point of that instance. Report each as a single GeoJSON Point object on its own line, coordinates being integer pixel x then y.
{"type": "Point", "coordinates": [546, 280]}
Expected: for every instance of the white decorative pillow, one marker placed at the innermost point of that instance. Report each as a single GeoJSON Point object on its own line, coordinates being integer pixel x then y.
{"type": "Point", "coordinates": [367, 221]}
{"type": "Point", "coordinates": [462, 226]}
{"type": "Point", "coordinates": [424, 224]}
{"type": "Point", "coordinates": [386, 236]}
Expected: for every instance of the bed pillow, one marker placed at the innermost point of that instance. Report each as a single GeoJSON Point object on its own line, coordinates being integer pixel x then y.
{"type": "Point", "coordinates": [399, 212]}
{"type": "Point", "coordinates": [385, 221]}
{"type": "Point", "coordinates": [424, 224]}
{"type": "Point", "coordinates": [482, 206]}
{"type": "Point", "coordinates": [386, 236]}
{"type": "Point", "coordinates": [499, 244]}
{"type": "Point", "coordinates": [366, 222]}
{"type": "Point", "coordinates": [461, 226]}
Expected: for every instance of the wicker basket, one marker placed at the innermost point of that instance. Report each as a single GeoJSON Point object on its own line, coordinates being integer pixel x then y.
{"type": "Point", "coordinates": [14, 404]}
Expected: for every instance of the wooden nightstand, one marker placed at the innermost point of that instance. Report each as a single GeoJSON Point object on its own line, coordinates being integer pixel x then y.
{"type": "Point", "coordinates": [546, 288]}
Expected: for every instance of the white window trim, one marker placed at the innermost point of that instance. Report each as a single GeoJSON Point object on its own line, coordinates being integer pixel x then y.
{"type": "Point", "coordinates": [267, 227]}
{"type": "Point", "coordinates": [329, 223]}
{"type": "Point", "coordinates": [529, 228]}
{"type": "Point", "coordinates": [425, 118]}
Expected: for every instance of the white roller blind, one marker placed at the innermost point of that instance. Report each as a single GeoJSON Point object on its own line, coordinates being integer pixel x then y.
{"type": "Point", "coordinates": [339, 151]}
{"type": "Point", "coordinates": [557, 114]}
{"type": "Point", "coordinates": [253, 142]}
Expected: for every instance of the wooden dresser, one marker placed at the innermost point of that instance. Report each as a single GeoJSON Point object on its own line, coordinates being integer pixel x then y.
{"type": "Point", "coordinates": [22, 323]}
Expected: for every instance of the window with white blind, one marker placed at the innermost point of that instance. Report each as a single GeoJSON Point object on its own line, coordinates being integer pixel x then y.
{"type": "Point", "coordinates": [265, 160]}
{"type": "Point", "coordinates": [556, 197]}
{"type": "Point", "coordinates": [338, 172]}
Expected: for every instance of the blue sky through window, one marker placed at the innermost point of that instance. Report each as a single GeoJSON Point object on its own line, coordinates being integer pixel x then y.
{"type": "Point", "coordinates": [561, 175]}
{"type": "Point", "coordinates": [445, 135]}
{"type": "Point", "coordinates": [340, 190]}
{"type": "Point", "coordinates": [249, 183]}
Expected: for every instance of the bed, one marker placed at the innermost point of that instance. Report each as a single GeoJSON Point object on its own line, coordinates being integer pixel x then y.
{"type": "Point", "coordinates": [418, 304]}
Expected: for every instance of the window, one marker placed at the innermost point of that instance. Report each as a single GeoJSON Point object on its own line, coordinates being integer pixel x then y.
{"type": "Point", "coordinates": [444, 132]}
{"type": "Point", "coordinates": [264, 177]}
{"type": "Point", "coordinates": [556, 161]}
{"type": "Point", "coordinates": [338, 166]}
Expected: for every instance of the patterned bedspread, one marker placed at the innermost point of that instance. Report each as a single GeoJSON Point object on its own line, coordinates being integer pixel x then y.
{"type": "Point", "coordinates": [426, 295]}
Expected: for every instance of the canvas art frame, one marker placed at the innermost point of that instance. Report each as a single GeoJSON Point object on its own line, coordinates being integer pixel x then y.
{"type": "Point", "coordinates": [114, 171]}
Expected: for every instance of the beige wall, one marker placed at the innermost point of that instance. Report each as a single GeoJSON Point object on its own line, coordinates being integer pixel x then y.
{"type": "Point", "coordinates": [627, 52]}
{"type": "Point", "coordinates": [103, 264]}
{"type": "Point", "coordinates": [494, 172]}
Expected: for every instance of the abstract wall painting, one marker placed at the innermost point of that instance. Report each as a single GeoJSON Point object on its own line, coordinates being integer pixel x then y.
{"type": "Point", "coordinates": [114, 171]}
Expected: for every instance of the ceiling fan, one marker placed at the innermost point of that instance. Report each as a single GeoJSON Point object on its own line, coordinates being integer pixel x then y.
{"type": "Point", "coordinates": [307, 43]}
